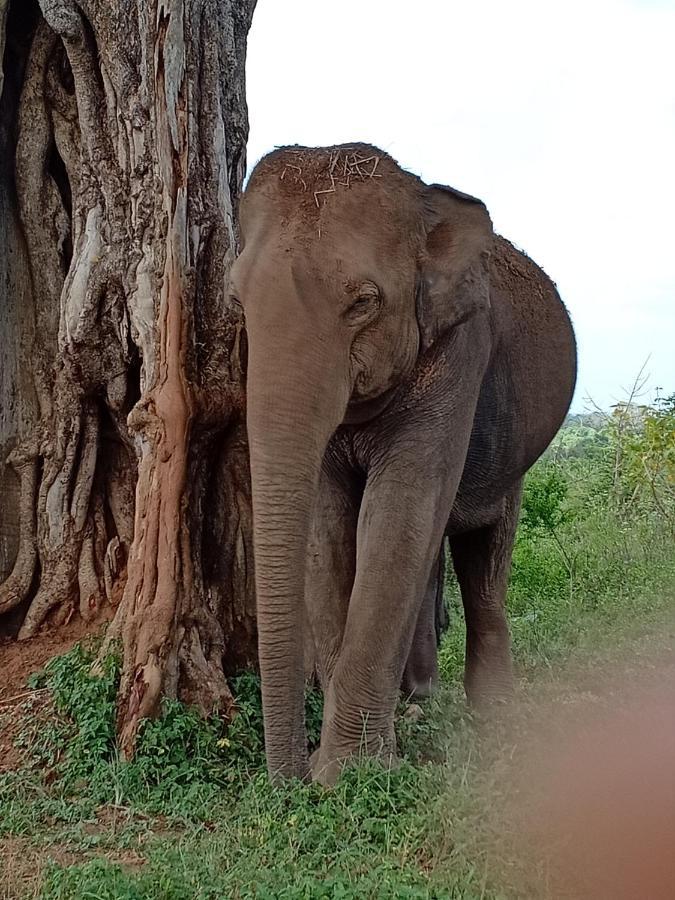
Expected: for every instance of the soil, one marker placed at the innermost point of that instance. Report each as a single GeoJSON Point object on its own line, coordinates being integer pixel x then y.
{"type": "Point", "coordinates": [20, 869]}
{"type": "Point", "coordinates": [22, 864]}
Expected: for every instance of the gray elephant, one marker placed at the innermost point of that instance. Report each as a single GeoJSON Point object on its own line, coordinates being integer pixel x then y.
{"type": "Point", "coordinates": [406, 367]}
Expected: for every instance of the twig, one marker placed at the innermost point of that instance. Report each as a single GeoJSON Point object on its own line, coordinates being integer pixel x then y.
{"type": "Point", "coordinates": [23, 695]}
{"type": "Point", "coordinates": [330, 190]}
{"type": "Point", "coordinates": [290, 166]}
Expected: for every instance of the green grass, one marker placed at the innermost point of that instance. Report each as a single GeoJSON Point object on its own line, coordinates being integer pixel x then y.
{"type": "Point", "coordinates": [193, 816]}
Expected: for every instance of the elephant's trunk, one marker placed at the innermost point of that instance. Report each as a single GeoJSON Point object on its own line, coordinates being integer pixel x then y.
{"type": "Point", "coordinates": [293, 407]}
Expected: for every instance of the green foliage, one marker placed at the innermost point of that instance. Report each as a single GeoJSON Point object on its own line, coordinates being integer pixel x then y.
{"type": "Point", "coordinates": [291, 842]}
{"type": "Point", "coordinates": [82, 735]}
{"type": "Point", "coordinates": [208, 784]}
{"type": "Point", "coordinates": [587, 561]}
{"type": "Point", "coordinates": [647, 457]}
{"type": "Point", "coordinates": [630, 455]}
{"type": "Point", "coordinates": [544, 496]}
{"type": "Point", "coordinates": [182, 760]}
{"type": "Point", "coordinates": [580, 440]}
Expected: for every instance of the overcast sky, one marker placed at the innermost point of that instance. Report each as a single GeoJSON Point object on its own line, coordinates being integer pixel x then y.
{"type": "Point", "coordinates": [560, 116]}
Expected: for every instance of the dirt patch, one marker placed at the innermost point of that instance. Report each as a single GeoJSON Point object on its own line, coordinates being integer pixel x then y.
{"type": "Point", "coordinates": [110, 819]}
{"type": "Point", "coordinates": [18, 660]}
{"type": "Point", "coordinates": [20, 870]}
{"type": "Point", "coordinates": [22, 864]}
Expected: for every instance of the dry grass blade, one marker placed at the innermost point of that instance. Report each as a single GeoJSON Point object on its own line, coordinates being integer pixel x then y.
{"type": "Point", "coordinates": [23, 696]}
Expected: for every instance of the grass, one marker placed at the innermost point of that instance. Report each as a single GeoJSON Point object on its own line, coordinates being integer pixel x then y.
{"type": "Point", "coordinates": [193, 815]}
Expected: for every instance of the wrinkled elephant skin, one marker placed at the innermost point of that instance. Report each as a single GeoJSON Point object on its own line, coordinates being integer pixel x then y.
{"type": "Point", "coordinates": [406, 367]}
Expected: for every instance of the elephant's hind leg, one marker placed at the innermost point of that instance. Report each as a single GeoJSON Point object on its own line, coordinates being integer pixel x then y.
{"type": "Point", "coordinates": [420, 675]}
{"type": "Point", "coordinates": [482, 560]}
{"type": "Point", "coordinates": [331, 564]}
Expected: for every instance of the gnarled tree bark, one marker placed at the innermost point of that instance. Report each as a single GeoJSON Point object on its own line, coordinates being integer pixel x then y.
{"type": "Point", "coordinates": [126, 485]}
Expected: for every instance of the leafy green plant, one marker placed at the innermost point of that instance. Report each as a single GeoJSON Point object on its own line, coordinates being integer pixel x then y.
{"type": "Point", "coordinates": [648, 460]}
{"type": "Point", "coordinates": [544, 495]}
{"type": "Point", "coordinates": [82, 734]}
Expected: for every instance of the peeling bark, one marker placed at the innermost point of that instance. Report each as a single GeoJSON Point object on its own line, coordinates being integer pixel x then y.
{"type": "Point", "coordinates": [15, 588]}
{"type": "Point", "coordinates": [128, 125]}
{"type": "Point", "coordinates": [4, 6]}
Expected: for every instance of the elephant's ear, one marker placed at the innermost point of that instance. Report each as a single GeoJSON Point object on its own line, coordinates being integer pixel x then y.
{"type": "Point", "coordinates": [454, 276]}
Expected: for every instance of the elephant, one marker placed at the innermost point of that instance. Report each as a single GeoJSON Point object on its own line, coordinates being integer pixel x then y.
{"type": "Point", "coordinates": [406, 366]}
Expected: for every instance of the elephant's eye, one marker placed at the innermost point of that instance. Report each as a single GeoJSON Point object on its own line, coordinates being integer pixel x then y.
{"type": "Point", "coordinates": [365, 304]}
{"type": "Point", "coordinates": [361, 305]}
{"type": "Point", "coordinates": [236, 302]}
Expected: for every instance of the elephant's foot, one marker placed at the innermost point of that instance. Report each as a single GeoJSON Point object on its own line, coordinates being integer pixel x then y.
{"type": "Point", "coordinates": [488, 677]}
{"type": "Point", "coordinates": [352, 732]}
{"type": "Point", "coordinates": [418, 685]}
{"type": "Point", "coordinates": [326, 768]}
{"type": "Point", "coordinates": [332, 755]}
{"type": "Point", "coordinates": [488, 687]}
{"type": "Point", "coordinates": [325, 772]}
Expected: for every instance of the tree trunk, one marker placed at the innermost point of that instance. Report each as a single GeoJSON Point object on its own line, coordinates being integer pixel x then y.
{"type": "Point", "coordinates": [123, 133]}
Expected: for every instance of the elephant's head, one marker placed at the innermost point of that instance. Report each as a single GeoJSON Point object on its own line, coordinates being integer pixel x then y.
{"type": "Point", "coordinates": [350, 269]}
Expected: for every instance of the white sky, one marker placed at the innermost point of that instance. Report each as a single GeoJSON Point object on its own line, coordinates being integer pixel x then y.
{"type": "Point", "coordinates": [559, 115]}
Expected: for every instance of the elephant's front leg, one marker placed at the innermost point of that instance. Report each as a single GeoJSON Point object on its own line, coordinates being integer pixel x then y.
{"type": "Point", "coordinates": [400, 528]}
{"type": "Point", "coordinates": [331, 563]}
